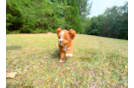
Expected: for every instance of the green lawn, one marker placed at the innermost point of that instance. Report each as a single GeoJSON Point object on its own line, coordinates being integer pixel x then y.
{"type": "Point", "coordinates": [96, 62]}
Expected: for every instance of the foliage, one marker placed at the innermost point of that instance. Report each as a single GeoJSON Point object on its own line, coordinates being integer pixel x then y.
{"type": "Point", "coordinates": [34, 16]}
{"type": "Point", "coordinates": [37, 16]}
{"type": "Point", "coordinates": [113, 23]}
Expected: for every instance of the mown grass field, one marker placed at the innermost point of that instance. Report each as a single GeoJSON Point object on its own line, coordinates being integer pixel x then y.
{"type": "Point", "coordinates": [98, 62]}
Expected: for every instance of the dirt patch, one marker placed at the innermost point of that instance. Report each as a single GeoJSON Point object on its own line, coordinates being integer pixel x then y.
{"type": "Point", "coordinates": [50, 33]}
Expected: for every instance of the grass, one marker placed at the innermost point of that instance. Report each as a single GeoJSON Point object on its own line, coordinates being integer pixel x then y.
{"type": "Point", "coordinates": [97, 62]}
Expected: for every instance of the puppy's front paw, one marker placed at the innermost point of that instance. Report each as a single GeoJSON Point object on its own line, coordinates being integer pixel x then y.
{"type": "Point", "coordinates": [69, 55]}
{"type": "Point", "coordinates": [62, 61]}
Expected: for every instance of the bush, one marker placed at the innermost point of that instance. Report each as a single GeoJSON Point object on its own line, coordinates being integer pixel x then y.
{"type": "Point", "coordinates": [52, 30]}
{"type": "Point", "coordinates": [37, 30]}
{"type": "Point", "coordinates": [45, 31]}
{"type": "Point", "coordinates": [16, 31]}
{"type": "Point", "coordinates": [7, 31]}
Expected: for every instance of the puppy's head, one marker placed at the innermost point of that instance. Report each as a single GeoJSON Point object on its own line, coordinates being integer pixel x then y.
{"type": "Point", "coordinates": [65, 37]}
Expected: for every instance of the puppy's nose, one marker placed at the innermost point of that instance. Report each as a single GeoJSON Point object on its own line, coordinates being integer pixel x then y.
{"type": "Point", "coordinates": [60, 41]}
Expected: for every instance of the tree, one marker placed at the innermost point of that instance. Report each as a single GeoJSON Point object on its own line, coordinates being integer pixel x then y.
{"type": "Point", "coordinates": [35, 16]}
{"type": "Point", "coordinates": [112, 23]}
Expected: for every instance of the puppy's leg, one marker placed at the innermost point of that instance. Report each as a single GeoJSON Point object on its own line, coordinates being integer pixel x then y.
{"type": "Point", "coordinates": [69, 52]}
{"type": "Point", "coordinates": [62, 54]}
{"type": "Point", "coordinates": [62, 57]}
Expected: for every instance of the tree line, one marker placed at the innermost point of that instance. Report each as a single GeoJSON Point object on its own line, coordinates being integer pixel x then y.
{"type": "Point", "coordinates": [36, 16]}
{"type": "Point", "coordinates": [112, 23]}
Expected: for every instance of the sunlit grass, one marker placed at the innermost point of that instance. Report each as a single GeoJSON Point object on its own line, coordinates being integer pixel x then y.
{"type": "Point", "coordinates": [97, 62]}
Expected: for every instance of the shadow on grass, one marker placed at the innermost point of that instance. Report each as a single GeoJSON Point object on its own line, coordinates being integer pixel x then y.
{"type": "Point", "coordinates": [94, 55]}
{"type": "Point", "coordinates": [90, 55]}
{"type": "Point", "coordinates": [85, 59]}
{"type": "Point", "coordinates": [55, 54]}
{"type": "Point", "coordinates": [13, 47]}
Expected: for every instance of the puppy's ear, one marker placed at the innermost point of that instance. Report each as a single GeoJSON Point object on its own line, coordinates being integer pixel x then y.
{"type": "Point", "coordinates": [72, 33]}
{"type": "Point", "coordinates": [58, 30]}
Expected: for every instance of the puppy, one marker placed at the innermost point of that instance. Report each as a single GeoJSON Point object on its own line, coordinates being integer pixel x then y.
{"type": "Point", "coordinates": [65, 43]}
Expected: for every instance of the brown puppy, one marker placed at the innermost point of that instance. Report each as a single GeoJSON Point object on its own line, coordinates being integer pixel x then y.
{"type": "Point", "coordinates": [65, 43]}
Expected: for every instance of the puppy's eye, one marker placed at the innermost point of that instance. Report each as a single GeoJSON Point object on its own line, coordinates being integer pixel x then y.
{"type": "Point", "coordinates": [64, 38]}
